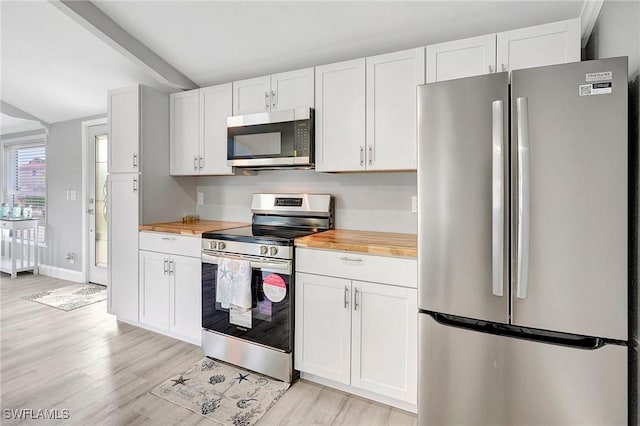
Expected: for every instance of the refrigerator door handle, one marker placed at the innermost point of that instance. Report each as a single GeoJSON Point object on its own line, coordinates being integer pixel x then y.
{"type": "Point", "coordinates": [497, 134]}
{"type": "Point", "coordinates": [522, 117]}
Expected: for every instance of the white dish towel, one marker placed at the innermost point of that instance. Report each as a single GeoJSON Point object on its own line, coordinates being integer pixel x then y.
{"type": "Point", "coordinates": [233, 283]}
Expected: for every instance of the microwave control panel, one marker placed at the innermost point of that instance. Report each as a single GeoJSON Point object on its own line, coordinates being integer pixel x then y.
{"type": "Point", "coordinates": [302, 140]}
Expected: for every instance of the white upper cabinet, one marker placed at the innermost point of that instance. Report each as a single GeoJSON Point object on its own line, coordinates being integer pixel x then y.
{"type": "Point", "coordinates": [391, 109]}
{"type": "Point", "coordinates": [124, 130]}
{"type": "Point", "coordinates": [340, 116]}
{"type": "Point", "coordinates": [198, 131]}
{"type": "Point", "coordinates": [184, 132]}
{"type": "Point", "coordinates": [215, 107]}
{"type": "Point", "coordinates": [293, 89]}
{"type": "Point", "coordinates": [251, 95]}
{"type": "Point", "coordinates": [461, 58]}
{"type": "Point", "coordinates": [277, 92]}
{"type": "Point", "coordinates": [549, 44]}
{"type": "Point", "coordinates": [366, 112]}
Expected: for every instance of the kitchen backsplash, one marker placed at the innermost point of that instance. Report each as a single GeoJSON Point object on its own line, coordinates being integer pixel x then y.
{"type": "Point", "coordinates": [364, 201]}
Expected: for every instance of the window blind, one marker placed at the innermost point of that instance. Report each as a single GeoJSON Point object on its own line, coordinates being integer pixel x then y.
{"type": "Point", "coordinates": [25, 179]}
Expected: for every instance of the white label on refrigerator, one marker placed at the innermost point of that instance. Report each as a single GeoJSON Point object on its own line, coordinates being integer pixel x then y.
{"type": "Point", "coordinates": [599, 76]}
{"type": "Point", "coordinates": [595, 89]}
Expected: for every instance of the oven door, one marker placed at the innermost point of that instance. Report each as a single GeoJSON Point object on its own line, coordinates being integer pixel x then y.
{"type": "Point", "coordinates": [269, 322]}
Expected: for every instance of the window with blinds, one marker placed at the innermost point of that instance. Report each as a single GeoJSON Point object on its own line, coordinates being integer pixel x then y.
{"type": "Point", "coordinates": [25, 179]}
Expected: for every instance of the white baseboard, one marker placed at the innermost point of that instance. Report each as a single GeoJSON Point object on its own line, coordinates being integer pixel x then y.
{"type": "Point", "coordinates": [403, 405]}
{"type": "Point", "coordinates": [61, 273]}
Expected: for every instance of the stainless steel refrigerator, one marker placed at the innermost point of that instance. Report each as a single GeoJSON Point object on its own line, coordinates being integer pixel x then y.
{"type": "Point", "coordinates": [523, 247]}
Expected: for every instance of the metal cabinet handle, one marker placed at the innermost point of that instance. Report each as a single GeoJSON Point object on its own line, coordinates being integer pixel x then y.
{"type": "Point", "coordinates": [168, 238]}
{"type": "Point", "coordinates": [195, 163]}
{"type": "Point", "coordinates": [200, 163]}
{"type": "Point", "coordinates": [356, 296]}
{"type": "Point", "coordinates": [497, 223]}
{"type": "Point", "coordinates": [166, 267]}
{"type": "Point", "coordinates": [274, 99]}
{"type": "Point", "coordinates": [135, 160]}
{"type": "Point", "coordinates": [490, 69]}
{"type": "Point", "coordinates": [504, 67]}
{"type": "Point", "coordinates": [171, 267]}
{"type": "Point", "coordinates": [346, 297]}
{"type": "Point", "coordinates": [351, 259]}
{"type": "Point", "coordinates": [135, 184]}
{"type": "Point", "coordinates": [370, 155]}
{"type": "Point", "coordinates": [362, 155]}
{"type": "Point", "coordinates": [522, 121]}
{"type": "Point", "coordinates": [266, 101]}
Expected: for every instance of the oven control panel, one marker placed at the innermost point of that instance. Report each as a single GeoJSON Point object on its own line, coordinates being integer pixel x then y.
{"type": "Point", "coordinates": [245, 248]}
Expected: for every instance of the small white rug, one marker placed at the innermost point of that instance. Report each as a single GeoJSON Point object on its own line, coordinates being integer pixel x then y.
{"type": "Point", "coordinates": [70, 297]}
{"type": "Point", "coordinates": [221, 392]}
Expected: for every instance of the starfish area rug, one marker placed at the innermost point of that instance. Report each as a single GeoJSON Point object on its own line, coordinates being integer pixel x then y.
{"type": "Point", "coordinates": [70, 297]}
{"type": "Point", "coordinates": [221, 392]}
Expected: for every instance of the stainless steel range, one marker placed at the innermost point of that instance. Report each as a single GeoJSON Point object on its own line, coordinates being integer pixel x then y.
{"type": "Point", "coordinates": [248, 288]}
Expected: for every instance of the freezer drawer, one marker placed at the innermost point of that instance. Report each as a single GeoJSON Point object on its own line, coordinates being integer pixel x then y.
{"type": "Point", "coordinates": [472, 378]}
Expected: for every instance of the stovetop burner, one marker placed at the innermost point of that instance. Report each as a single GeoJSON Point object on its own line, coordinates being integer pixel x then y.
{"type": "Point", "coordinates": [278, 219]}
{"type": "Point", "coordinates": [260, 234]}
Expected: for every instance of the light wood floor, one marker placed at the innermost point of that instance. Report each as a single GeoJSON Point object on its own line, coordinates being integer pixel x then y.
{"type": "Point", "coordinates": [101, 370]}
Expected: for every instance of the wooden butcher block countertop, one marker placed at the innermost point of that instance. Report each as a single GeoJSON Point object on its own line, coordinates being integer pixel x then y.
{"type": "Point", "coordinates": [194, 228]}
{"type": "Point", "coordinates": [377, 243]}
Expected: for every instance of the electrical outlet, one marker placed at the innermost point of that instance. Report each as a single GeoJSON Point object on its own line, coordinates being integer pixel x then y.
{"type": "Point", "coordinates": [200, 198]}
{"type": "Point", "coordinates": [71, 257]}
{"type": "Point", "coordinates": [414, 204]}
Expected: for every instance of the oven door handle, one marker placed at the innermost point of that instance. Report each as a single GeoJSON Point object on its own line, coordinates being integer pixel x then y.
{"type": "Point", "coordinates": [273, 266]}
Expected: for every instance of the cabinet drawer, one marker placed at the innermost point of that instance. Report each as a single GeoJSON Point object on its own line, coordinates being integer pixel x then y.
{"type": "Point", "coordinates": [170, 243]}
{"type": "Point", "coordinates": [356, 266]}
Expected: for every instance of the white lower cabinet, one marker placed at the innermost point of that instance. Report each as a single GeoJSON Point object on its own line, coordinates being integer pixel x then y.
{"type": "Point", "coordinates": [361, 334]}
{"type": "Point", "coordinates": [170, 287]}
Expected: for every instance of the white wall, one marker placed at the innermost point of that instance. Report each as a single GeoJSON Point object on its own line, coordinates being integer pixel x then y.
{"type": "Point", "coordinates": [64, 172]}
{"type": "Point", "coordinates": [364, 201]}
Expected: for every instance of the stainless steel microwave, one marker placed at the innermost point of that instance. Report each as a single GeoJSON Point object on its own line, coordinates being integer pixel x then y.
{"type": "Point", "coordinates": [271, 139]}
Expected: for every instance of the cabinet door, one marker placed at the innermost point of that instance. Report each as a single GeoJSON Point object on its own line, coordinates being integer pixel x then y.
{"type": "Point", "coordinates": [340, 116]}
{"type": "Point", "coordinates": [215, 107]}
{"type": "Point", "coordinates": [184, 132]}
{"type": "Point", "coordinates": [461, 58]}
{"type": "Point", "coordinates": [154, 289]}
{"type": "Point", "coordinates": [323, 326]}
{"type": "Point", "coordinates": [391, 109]}
{"type": "Point", "coordinates": [122, 272]}
{"type": "Point", "coordinates": [185, 297]}
{"type": "Point", "coordinates": [124, 130]}
{"type": "Point", "coordinates": [252, 95]}
{"type": "Point", "coordinates": [549, 44]}
{"type": "Point", "coordinates": [293, 89]}
{"type": "Point", "coordinates": [384, 333]}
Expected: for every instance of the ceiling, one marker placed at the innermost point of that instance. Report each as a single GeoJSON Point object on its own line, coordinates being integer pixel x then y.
{"type": "Point", "coordinates": [55, 69]}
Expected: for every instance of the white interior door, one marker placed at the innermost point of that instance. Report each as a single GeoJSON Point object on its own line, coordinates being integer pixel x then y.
{"type": "Point", "coordinates": [97, 204]}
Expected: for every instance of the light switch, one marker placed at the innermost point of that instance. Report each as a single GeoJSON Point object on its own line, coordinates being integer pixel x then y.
{"type": "Point", "coordinates": [200, 198]}
{"type": "Point", "coordinates": [68, 195]}
{"type": "Point", "coordinates": [73, 195]}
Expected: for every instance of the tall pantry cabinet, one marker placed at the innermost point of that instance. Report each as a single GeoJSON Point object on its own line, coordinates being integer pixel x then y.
{"type": "Point", "coordinates": [140, 189]}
